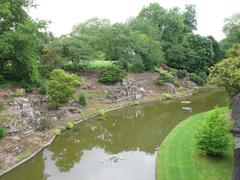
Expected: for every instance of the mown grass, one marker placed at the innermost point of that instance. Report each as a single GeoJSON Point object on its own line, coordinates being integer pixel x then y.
{"type": "Point", "coordinates": [179, 159]}
{"type": "Point", "coordinates": [98, 65]}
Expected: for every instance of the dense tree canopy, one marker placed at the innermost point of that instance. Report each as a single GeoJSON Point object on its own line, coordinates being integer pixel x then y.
{"type": "Point", "coordinates": [227, 72]}
{"type": "Point", "coordinates": [232, 31]}
{"type": "Point", "coordinates": [19, 41]}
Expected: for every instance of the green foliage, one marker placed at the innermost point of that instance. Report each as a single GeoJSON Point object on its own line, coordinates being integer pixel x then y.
{"type": "Point", "coordinates": [166, 96]}
{"type": "Point", "coordinates": [50, 60]}
{"type": "Point", "coordinates": [43, 89]}
{"type": "Point", "coordinates": [99, 65]}
{"type": "Point", "coordinates": [112, 75]}
{"type": "Point", "coordinates": [20, 39]}
{"type": "Point", "coordinates": [164, 77]}
{"type": "Point", "coordinates": [232, 31]}
{"type": "Point", "coordinates": [27, 86]}
{"type": "Point", "coordinates": [182, 74]}
{"type": "Point", "coordinates": [197, 79]}
{"type": "Point", "coordinates": [135, 103]}
{"type": "Point", "coordinates": [60, 87]}
{"type": "Point", "coordinates": [82, 99]}
{"type": "Point", "coordinates": [136, 65]}
{"type": "Point", "coordinates": [57, 132]}
{"type": "Point", "coordinates": [173, 72]}
{"type": "Point", "coordinates": [102, 112]}
{"type": "Point", "coordinates": [70, 125]}
{"type": "Point", "coordinates": [45, 123]}
{"type": "Point", "coordinates": [227, 74]}
{"type": "Point", "coordinates": [2, 132]}
{"type": "Point", "coordinates": [213, 137]}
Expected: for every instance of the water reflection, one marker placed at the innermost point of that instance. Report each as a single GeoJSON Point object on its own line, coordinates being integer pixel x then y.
{"type": "Point", "coordinates": [122, 145]}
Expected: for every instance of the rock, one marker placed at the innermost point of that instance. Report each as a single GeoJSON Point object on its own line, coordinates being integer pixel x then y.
{"type": "Point", "coordinates": [171, 88]}
{"type": "Point", "coordinates": [20, 92]}
{"type": "Point", "coordinates": [61, 113]}
{"type": "Point", "coordinates": [187, 108]}
{"type": "Point", "coordinates": [73, 103]}
{"type": "Point", "coordinates": [15, 151]}
{"type": "Point", "coordinates": [21, 103]}
{"type": "Point", "coordinates": [16, 138]}
{"type": "Point", "coordinates": [12, 131]}
{"type": "Point", "coordinates": [74, 110]}
{"type": "Point", "coordinates": [236, 111]}
{"type": "Point", "coordinates": [54, 119]}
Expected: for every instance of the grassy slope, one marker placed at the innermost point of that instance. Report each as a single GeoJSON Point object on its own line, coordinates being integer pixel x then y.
{"type": "Point", "coordinates": [178, 158]}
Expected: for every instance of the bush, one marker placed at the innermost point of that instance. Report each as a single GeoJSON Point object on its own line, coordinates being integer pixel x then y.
{"type": "Point", "coordinates": [101, 112]}
{"type": "Point", "coordinates": [112, 75]}
{"type": "Point", "coordinates": [2, 132]}
{"type": "Point", "coordinates": [182, 74]}
{"type": "Point", "coordinates": [213, 137]}
{"type": "Point", "coordinates": [173, 71]}
{"type": "Point", "coordinates": [197, 79]}
{"type": "Point", "coordinates": [69, 125]}
{"type": "Point", "coordinates": [164, 77]}
{"type": "Point", "coordinates": [28, 87]}
{"type": "Point", "coordinates": [166, 96]}
{"type": "Point", "coordinates": [82, 99]}
{"type": "Point", "coordinates": [137, 65]}
{"type": "Point", "coordinates": [60, 87]}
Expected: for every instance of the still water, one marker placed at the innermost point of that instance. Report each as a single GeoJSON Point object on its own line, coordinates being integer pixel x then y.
{"type": "Point", "coordinates": [120, 146]}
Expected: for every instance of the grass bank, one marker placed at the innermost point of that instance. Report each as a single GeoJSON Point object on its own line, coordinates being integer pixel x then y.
{"type": "Point", "coordinates": [178, 158]}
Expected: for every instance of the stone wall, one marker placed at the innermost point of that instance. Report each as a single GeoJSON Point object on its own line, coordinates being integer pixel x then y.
{"type": "Point", "coordinates": [236, 118]}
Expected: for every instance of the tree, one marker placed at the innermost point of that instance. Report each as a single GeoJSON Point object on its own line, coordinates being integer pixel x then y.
{"type": "Point", "coordinates": [190, 18]}
{"type": "Point", "coordinates": [213, 137]}
{"type": "Point", "coordinates": [60, 88]}
{"type": "Point", "coordinates": [227, 72]}
{"type": "Point", "coordinates": [148, 49]}
{"type": "Point", "coordinates": [194, 54]}
{"type": "Point", "coordinates": [75, 50]}
{"type": "Point", "coordinates": [232, 31]}
{"type": "Point", "coordinates": [19, 37]}
{"type": "Point", "coordinates": [50, 60]}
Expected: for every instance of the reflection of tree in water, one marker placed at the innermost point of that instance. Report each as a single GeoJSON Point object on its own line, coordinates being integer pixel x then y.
{"type": "Point", "coordinates": [68, 149]}
{"type": "Point", "coordinates": [134, 128]}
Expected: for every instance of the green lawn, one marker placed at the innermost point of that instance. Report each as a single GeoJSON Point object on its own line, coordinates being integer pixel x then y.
{"type": "Point", "coordinates": [96, 64]}
{"type": "Point", "coordinates": [178, 158]}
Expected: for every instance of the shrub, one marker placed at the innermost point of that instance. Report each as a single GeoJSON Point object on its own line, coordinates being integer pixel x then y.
{"type": "Point", "coordinates": [197, 79]}
{"type": "Point", "coordinates": [101, 112]}
{"type": "Point", "coordinates": [213, 137]}
{"type": "Point", "coordinates": [2, 132]}
{"type": "Point", "coordinates": [166, 96]}
{"type": "Point", "coordinates": [137, 65]}
{"type": "Point", "coordinates": [112, 75]}
{"type": "Point", "coordinates": [164, 77]}
{"type": "Point", "coordinates": [60, 87]}
{"type": "Point", "coordinates": [57, 132]}
{"type": "Point", "coordinates": [45, 123]}
{"type": "Point", "coordinates": [182, 74]}
{"type": "Point", "coordinates": [135, 103]}
{"type": "Point", "coordinates": [2, 80]}
{"type": "Point", "coordinates": [28, 87]}
{"type": "Point", "coordinates": [173, 71]}
{"type": "Point", "coordinates": [70, 125]}
{"type": "Point", "coordinates": [82, 99]}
